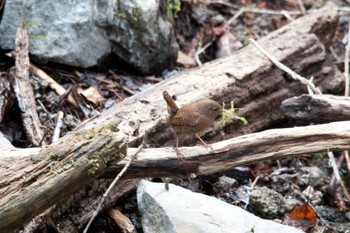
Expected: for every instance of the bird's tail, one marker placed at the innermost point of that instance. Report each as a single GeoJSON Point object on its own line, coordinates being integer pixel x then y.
{"type": "Point", "coordinates": [172, 107]}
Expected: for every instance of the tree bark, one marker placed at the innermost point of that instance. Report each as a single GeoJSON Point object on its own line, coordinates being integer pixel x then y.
{"type": "Point", "coordinates": [239, 151]}
{"type": "Point", "coordinates": [30, 186]}
{"type": "Point", "coordinates": [24, 92]}
{"type": "Point", "coordinates": [317, 108]}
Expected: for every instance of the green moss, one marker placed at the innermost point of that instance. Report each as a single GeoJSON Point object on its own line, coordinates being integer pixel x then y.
{"type": "Point", "coordinates": [173, 7]}
{"type": "Point", "coordinates": [35, 25]}
{"type": "Point", "coordinates": [134, 14]}
{"type": "Point", "coordinates": [247, 36]}
{"type": "Point", "coordinates": [107, 130]}
{"type": "Point", "coordinates": [122, 15]}
{"type": "Point", "coordinates": [106, 154]}
{"type": "Point", "coordinates": [61, 168]}
{"type": "Point", "coordinates": [95, 167]}
{"type": "Point", "coordinates": [101, 160]}
{"type": "Point", "coordinates": [43, 36]}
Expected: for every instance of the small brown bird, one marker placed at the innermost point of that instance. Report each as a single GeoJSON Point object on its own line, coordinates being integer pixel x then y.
{"type": "Point", "coordinates": [192, 118]}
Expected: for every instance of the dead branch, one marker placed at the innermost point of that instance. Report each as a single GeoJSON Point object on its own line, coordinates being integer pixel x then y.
{"type": "Point", "coordinates": [52, 83]}
{"type": "Point", "coordinates": [23, 89]}
{"type": "Point", "coordinates": [243, 150]}
{"type": "Point", "coordinates": [37, 183]}
{"type": "Point", "coordinates": [317, 108]}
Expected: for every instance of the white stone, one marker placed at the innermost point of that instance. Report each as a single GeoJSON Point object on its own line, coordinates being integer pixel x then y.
{"type": "Point", "coordinates": [182, 211]}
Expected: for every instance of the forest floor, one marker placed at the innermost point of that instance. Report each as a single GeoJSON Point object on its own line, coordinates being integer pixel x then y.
{"type": "Point", "coordinates": [207, 31]}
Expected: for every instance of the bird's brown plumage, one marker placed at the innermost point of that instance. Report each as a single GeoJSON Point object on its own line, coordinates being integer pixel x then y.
{"type": "Point", "coordinates": [192, 118]}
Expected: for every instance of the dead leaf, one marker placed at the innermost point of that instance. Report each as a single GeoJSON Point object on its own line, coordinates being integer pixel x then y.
{"type": "Point", "coordinates": [93, 95]}
{"type": "Point", "coordinates": [302, 217]}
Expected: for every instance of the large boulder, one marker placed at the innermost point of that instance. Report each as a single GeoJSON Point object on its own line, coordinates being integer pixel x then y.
{"type": "Point", "coordinates": [83, 33]}
{"type": "Point", "coordinates": [180, 210]}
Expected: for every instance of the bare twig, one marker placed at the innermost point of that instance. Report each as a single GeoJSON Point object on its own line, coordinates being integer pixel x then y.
{"type": "Point", "coordinates": [251, 190]}
{"type": "Point", "coordinates": [235, 16]}
{"type": "Point", "coordinates": [52, 83]}
{"type": "Point", "coordinates": [131, 158]}
{"type": "Point", "coordinates": [334, 53]}
{"type": "Point", "coordinates": [347, 159]}
{"type": "Point", "coordinates": [201, 50]}
{"type": "Point", "coordinates": [347, 83]}
{"type": "Point", "coordinates": [45, 110]}
{"type": "Point", "coordinates": [287, 15]}
{"type": "Point", "coordinates": [302, 7]}
{"type": "Point", "coordinates": [269, 12]}
{"type": "Point", "coordinates": [337, 175]}
{"type": "Point", "coordinates": [344, 9]}
{"type": "Point", "coordinates": [286, 69]}
{"type": "Point", "coordinates": [346, 63]}
{"type": "Point", "coordinates": [131, 92]}
{"type": "Point", "coordinates": [56, 132]}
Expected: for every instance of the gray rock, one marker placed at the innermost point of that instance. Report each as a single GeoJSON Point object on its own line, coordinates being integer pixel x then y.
{"type": "Point", "coordinates": [224, 184]}
{"type": "Point", "coordinates": [180, 210]}
{"type": "Point", "coordinates": [83, 33]}
{"type": "Point", "coordinates": [311, 176]}
{"type": "Point", "coordinates": [267, 202]}
{"type": "Point", "coordinates": [290, 204]}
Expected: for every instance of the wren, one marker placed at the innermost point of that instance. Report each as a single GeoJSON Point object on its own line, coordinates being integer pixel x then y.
{"type": "Point", "coordinates": [192, 118]}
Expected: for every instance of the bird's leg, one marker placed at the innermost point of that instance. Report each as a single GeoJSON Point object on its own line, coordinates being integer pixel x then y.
{"type": "Point", "coordinates": [203, 142]}
{"type": "Point", "coordinates": [180, 156]}
{"type": "Point", "coordinates": [166, 183]}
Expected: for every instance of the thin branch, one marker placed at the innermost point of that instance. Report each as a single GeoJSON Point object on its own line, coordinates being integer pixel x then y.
{"type": "Point", "coordinates": [337, 175]}
{"type": "Point", "coordinates": [105, 195]}
{"type": "Point", "coordinates": [234, 17]}
{"type": "Point", "coordinates": [163, 162]}
{"type": "Point", "coordinates": [286, 69]}
{"type": "Point", "coordinates": [347, 83]}
{"type": "Point", "coordinates": [269, 12]}
{"type": "Point", "coordinates": [347, 160]}
{"type": "Point", "coordinates": [346, 63]}
{"type": "Point", "coordinates": [201, 50]}
{"type": "Point", "coordinates": [57, 130]}
{"type": "Point", "coordinates": [287, 15]}
{"type": "Point", "coordinates": [302, 7]}
{"type": "Point", "coordinates": [52, 83]}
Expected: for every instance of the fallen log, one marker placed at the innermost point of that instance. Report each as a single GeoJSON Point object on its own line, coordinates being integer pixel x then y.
{"type": "Point", "coordinates": [20, 83]}
{"type": "Point", "coordinates": [31, 185]}
{"type": "Point", "coordinates": [317, 108]}
{"type": "Point", "coordinates": [247, 77]}
{"type": "Point", "coordinates": [238, 151]}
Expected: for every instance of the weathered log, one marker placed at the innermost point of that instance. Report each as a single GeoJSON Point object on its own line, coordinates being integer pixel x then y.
{"type": "Point", "coordinates": [238, 151]}
{"type": "Point", "coordinates": [122, 221]}
{"type": "Point", "coordinates": [317, 108]}
{"type": "Point", "coordinates": [247, 77]}
{"type": "Point", "coordinates": [23, 89]}
{"type": "Point", "coordinates": [28, 187]}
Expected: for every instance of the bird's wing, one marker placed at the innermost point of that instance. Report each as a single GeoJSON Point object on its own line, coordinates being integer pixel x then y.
{"type": "Point", "coordinates": [190, 119]}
